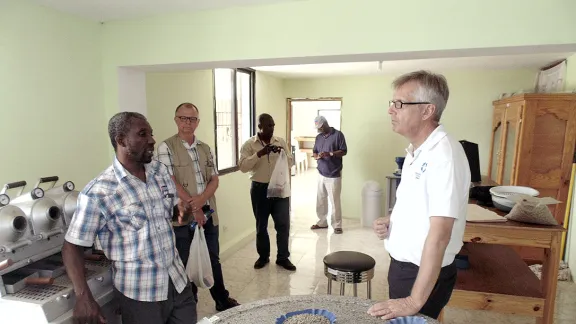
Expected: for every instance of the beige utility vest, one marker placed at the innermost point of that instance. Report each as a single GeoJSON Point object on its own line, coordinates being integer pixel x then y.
{"type": "Point", "coordinates": [185, 171]}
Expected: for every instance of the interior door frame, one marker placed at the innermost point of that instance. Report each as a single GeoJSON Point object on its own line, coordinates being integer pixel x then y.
{"type": "Point", "coordinates": [289, 113]}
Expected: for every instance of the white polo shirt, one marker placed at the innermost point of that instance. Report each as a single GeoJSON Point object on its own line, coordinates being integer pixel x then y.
{"type": "Point", "coordinates": [435, 182]}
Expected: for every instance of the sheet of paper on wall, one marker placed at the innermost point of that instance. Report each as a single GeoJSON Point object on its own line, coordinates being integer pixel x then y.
{"type": "Point", "coordinates": [536, 200]}
{"type": "Point", "coordinates": [477, 214]}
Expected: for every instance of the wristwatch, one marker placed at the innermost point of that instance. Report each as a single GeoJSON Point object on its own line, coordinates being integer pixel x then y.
{"type": "Point", "coordinates": [331, 153]}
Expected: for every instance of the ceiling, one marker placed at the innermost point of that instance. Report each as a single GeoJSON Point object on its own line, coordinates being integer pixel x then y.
{"type": "Point", "coordinates": [105, 10]}
{"type": "Point", "coordinates": [534, 61]}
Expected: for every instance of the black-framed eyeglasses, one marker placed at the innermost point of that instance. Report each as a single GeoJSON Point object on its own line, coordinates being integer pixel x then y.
{"type": "Point", "coordinates": [399, 104]}
{"type": "Point", "coordinates": [185, 119]}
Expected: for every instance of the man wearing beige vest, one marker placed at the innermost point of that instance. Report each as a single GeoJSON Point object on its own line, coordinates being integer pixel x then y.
{"type": "Point", "coordinates": [191, 165]}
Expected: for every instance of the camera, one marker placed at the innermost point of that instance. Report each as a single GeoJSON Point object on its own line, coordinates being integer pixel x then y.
{"type": "Point", "coordinates": [275, 149]}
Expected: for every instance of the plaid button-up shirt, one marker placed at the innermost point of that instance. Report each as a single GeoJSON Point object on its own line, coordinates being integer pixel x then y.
{"type": "Point", "coordinates": [132, 221]}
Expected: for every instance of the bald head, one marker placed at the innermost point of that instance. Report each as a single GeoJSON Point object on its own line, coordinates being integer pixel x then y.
{"type": "Point", "coordinates": [264, 118]}
{"type": "Point", "coordinates": [266, 125]}
{"type": "Point", "coordinates": [186, 105]}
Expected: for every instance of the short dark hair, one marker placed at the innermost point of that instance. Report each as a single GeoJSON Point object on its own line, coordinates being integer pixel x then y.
{"type": "Point", "coordinates": [120, 124]}
{"type": "Point", "coordinates": [187, 105]}
{"type": "Point", "coordinates": [264, 117]}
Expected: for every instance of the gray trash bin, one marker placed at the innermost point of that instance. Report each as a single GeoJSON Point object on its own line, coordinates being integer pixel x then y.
{"type": "Point", "coordinates": [371, 202]}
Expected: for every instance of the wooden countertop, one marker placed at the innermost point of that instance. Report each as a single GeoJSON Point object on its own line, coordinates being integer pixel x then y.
{"type": "Point", "coordinates": [512, 224]}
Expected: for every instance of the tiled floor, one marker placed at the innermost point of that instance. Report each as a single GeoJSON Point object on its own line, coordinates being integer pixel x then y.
{"type": "Point", "coordinates": [308, 249]}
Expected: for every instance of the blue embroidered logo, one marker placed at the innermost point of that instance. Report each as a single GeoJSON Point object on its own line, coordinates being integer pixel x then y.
{"type": "Point", "coordinates": [423, 167]}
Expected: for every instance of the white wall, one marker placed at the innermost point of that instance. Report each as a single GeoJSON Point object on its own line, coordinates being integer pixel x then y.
{"type": "Point", "coordinates": [132, 90]}
{"type": "Point", "coordinates": [304, 112]}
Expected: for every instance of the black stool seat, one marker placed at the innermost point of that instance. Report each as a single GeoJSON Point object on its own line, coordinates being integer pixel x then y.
{"type": "Point", "coordinates": [349, 261]}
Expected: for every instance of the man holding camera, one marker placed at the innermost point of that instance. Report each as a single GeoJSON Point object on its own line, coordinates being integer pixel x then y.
{"type": "Point", "coordinates": [191, 165]}
{"type": "Point", "coordinates": [258, 156]}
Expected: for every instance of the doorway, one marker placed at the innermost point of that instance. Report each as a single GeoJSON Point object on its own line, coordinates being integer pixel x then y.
{"type": "Point", "coordinates": [301, 135]}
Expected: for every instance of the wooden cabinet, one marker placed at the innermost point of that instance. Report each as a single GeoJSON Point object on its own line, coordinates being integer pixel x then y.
{"type": "Point", "coordinates": [533, 139]}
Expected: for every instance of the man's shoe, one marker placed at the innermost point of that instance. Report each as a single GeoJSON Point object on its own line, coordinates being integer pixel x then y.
{"type": "Point", "coordinates": [337, 231]}
{"type": "Point", "coordinates": [261, 263]}
{"type": "Point", "coordinates": [229, 303]}
{"type": "Point", "coordinates": [286, 264]}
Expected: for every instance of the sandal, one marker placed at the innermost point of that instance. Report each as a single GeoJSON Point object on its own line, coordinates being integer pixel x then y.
{"type": "Point", "coordinates": [315, 227]}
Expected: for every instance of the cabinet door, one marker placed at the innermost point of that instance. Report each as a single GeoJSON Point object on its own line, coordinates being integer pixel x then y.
{"type": "Point", "coordinates": [510, 142]}
{"type": "Point", "coordinates": [552, 150]}
{"type": "Point", "coordinates": [495, 147]}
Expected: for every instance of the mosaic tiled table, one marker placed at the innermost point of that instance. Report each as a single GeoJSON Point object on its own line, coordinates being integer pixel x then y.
{"type": "Point", "coordinates": [348, 310]}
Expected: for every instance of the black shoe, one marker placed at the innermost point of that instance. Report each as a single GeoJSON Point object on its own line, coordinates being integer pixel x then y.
{"type": "Point", "coordinates": [261, 263]}
{"type": "Point", "coordinates": [227, 304]}
{"type": "Point", "coordinates": [286, 264]}
{"type": "Point", "coordinates": [337, 231]}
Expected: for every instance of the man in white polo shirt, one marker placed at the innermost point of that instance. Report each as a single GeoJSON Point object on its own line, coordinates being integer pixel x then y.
{"type": "Point", "coordinates": [426, 228]}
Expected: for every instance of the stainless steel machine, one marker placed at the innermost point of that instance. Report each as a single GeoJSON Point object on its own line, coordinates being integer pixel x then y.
{"type": "Point", "coordinates": [34, 287]}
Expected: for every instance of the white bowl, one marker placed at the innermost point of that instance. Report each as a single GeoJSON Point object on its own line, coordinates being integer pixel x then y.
{"type": "Point", "coordinates": [506, 191]}
{"type": "Point", "coordinates": [499, 195]}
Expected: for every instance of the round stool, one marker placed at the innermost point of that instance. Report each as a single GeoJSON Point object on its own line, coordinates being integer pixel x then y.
{"type": "Point", "coordinates": [349, 267]}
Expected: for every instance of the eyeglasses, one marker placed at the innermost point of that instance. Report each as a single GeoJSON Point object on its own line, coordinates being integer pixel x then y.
{"type": "Point", "coordinates": [398, 104]}
{"type": "Point", "coordinates": [185, 119]}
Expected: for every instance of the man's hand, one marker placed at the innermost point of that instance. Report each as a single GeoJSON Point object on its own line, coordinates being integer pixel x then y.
{"type": "Point", "coordinates": [183, 209]}
{"type": "Point", "coordinates": [322, 155]}
{"type": "Point", "coordinates": [265, 150]}
{"type": "Point", "coordinates": [393, 308]}
{"type": "Point", "coordinates": [196, 202]}
{"type": "Point", "coordinates": [87, 311]}
{"type": "Point", "coordinates": [381, 227]}
{"type": "Point", "coordinates": [199, 217]}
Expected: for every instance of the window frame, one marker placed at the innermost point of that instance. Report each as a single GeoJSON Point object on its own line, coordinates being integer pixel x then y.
{"type": "Point", "coordinates": [252, 99]}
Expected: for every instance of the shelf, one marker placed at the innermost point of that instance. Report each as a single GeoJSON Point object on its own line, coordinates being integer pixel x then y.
{"type": "Point", "coordinates": [497, 269]}
{"type": "Point", "coordinates": [497, 280]}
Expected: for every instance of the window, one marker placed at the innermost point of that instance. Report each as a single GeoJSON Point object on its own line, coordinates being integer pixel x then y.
{"type": "Point", "coordinates": [234, 115]}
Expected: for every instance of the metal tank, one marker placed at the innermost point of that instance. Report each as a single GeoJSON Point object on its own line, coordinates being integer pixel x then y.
{"type": "Point", "coordinates": [13, 223]}
{"type": "Point", "coordinates": [44, 215]}
{"type": "Point", "coordinates": [64, 195]}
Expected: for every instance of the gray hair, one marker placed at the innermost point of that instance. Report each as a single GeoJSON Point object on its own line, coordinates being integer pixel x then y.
{"type": "Point", "coordinates": [432, 88]}
{"type": "Point", "coordinates": [120, 124]}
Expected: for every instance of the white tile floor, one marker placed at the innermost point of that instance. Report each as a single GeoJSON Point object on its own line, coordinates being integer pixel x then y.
{"type": "Point", "coordinates": [309, 247]}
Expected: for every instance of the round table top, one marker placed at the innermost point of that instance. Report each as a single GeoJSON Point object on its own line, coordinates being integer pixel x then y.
{"type": "Point", "coordinates": [348, 310]}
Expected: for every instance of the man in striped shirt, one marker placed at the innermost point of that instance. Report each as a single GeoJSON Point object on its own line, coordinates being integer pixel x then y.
{"type": "Point", "coordinates": [129, 208]}
{"type": "Point", "coordinates": [191, 165]}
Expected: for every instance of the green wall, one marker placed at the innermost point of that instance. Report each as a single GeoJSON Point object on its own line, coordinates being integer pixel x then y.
{"type": "Point", "coordinates": [51, 98]}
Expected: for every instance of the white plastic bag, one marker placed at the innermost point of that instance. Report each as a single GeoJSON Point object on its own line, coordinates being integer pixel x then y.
{"type": "Point", "coordinates": [279, 186]}
{"type": "Point", "coordinates": [199, 268]}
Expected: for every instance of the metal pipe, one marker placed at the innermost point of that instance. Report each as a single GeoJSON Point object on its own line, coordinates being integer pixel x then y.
{"type": "Point", "coordinates": [369, 289]}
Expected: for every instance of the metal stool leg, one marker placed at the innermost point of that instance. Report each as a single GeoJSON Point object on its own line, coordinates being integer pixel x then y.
{"type": "Point", "coordinates": [329, 286]}
{"type": "Point", "coordinates": [369, 289]}
{"type": "Point", "coordinates": [355, 290]}
{"type": "Point", "coordinates": [342, 285]}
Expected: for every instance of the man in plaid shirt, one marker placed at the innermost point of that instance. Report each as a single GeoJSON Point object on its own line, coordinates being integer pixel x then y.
{"type": "Point", "coordinates": [129, 208]}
